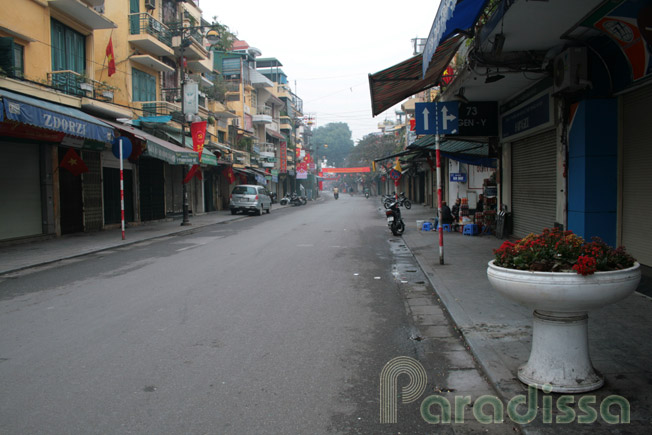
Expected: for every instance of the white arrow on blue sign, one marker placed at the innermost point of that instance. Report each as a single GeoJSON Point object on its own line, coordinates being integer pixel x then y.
{"type": "Point", "coordinates": [436, 118]}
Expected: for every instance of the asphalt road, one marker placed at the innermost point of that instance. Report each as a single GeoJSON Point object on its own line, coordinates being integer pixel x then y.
{"type": "Point", "coordinates": [273, 324]}
{"type": "Point", "coordinates": [263, 325]}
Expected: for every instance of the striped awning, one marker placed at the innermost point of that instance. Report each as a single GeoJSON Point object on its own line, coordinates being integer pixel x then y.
{"type": "Point", "coordinates": [396, 83]}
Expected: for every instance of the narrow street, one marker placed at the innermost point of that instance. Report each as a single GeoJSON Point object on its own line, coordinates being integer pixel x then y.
{"type": "Point", "coordinates": [279, 323]}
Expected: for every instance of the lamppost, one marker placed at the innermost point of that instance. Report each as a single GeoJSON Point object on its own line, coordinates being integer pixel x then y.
{"type": "Point", "coordinates": [213, 37]}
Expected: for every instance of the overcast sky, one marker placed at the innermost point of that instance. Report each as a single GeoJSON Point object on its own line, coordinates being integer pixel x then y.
{"type": "Point", "coordinates": [328, 48]}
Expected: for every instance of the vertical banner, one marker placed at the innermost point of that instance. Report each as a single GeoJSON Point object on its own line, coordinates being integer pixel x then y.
{"type": "Point", "coordinates": [198, 132]}
{"type": "Point", "coordinates": [284, 157]}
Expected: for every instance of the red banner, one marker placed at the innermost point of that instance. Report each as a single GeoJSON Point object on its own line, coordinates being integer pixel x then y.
{"type": "Point", "coordinates": [284, 157]}
{"type": "Point", "coordinates": [198, 132]}
{"type": "Point", "coordinates": [347, 170]}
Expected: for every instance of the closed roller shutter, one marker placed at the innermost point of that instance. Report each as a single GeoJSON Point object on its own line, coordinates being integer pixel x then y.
{"type": "Point", "coordinates": [20, 191]}
{"type": "Point", "coordinates": [533, 184]}
{"type": "Point", "coordinates": [637, 181]}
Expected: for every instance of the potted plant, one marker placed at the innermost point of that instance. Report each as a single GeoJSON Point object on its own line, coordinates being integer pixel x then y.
{"type": "Point", "coordinates": [562, 278]}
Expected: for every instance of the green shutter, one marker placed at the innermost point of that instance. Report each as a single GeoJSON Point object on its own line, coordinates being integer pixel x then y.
{"type": "Point", "coordinates": [68, 48]}
{"type": "Point", "coordinates": [7, 61]}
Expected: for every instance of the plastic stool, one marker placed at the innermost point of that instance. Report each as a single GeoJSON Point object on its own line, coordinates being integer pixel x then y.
{"type": "Point", "coordinates": [427, 226]}
{"type": "Point", "coordinates": [470, 230]}
{"type": "Point", "coordinates": [446, 227]}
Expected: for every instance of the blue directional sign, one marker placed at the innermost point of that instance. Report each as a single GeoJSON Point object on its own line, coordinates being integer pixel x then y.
{"type": "Point", "coordinates": [436, 118]}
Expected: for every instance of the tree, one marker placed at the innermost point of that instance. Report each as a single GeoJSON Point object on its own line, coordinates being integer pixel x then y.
{"type": "Point", "coordinates": [337, 136]}
{"type": "Point", "coordinates": [373, 146]}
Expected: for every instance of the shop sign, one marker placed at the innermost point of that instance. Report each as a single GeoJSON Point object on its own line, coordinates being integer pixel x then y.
{"type": "Point", "coordinates": [478, 118]}
{"type": "Point", "coordinates": [533, 114]}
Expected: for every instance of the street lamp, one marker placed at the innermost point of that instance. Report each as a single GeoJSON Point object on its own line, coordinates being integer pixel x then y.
{"type": "Point", "coordinates": [213, 37]}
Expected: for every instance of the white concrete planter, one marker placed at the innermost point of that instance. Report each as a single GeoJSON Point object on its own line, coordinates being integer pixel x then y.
{"type": "Point", "coordinates": [561, 301]}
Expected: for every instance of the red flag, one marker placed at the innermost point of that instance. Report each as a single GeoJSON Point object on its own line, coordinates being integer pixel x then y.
{"type": "Point", "coordinates": [228, 173]}
{"type": "Point", "coordinates": [191, 173]}
{"type": "Point", "coordinates": [111, 57]}
{"type": "Point", "coordinates": [72, 162]}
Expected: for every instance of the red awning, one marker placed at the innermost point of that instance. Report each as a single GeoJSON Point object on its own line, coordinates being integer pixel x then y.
{"type": "Point", "coordinates": [396, 83]}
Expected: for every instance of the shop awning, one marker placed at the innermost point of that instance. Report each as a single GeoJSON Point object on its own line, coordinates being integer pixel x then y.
{"type": "Point", "coordinates": [159, 148]}
{"type": "Point", "coordinates": [451, 146]}
{"type": "Point", "coordinates": [453, 17]}
{"type": "Point", "coordinates": [473, 153]}
{"type": "Point", "coordinates": [396, 83]}
{"type": "Point", "coordinates": [56, 117]}
{"type": "Point", "coordinates": [275, 134]}
{"type": "Point", "coordinates": [400, 154]}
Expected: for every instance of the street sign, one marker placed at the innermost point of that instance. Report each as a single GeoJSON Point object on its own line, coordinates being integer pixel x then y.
{"type": "Point", "coordinates": [436, 118]}
{"type": "Point", "coordinates": [458, 177]}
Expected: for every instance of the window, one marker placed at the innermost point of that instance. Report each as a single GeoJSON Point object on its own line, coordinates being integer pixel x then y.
{"type": "Point", "coordinates": [144, 89]}
{"type": "Point", "coordinates": [144, 86]}
{"type": "Point", "coordinates": [11, 57]}
{"type": "Point", "coordinates": [68, 49]}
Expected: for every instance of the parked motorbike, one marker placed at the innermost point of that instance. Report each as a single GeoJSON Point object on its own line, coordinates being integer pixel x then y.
{"type": "Point", "coordinates": [296, 200]}
{"type": "Point", "coordinates": [285, 200]}
{"type": "Point", "coordinates": [402, 199]}
{"type": "Point", "coordinates": [387, 200]}
{"type": "Point", "coordinates": [394, 220]}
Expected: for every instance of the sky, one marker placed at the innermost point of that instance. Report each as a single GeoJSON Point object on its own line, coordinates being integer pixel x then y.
{"type": "Point", "coordinates": [329, 48]}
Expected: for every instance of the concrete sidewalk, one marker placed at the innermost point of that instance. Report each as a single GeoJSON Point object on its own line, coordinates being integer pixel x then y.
{"type": "Point", "coordinates": [19, 256]}
{"type": "Point", "coordinates": [498, 331]}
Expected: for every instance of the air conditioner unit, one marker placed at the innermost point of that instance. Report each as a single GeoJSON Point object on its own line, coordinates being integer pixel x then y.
{"type": "Point", "coordinates": [150, 4]}
{"type": "Point", "coordinates": [570, 70]}
{"type": "Point", "coordinates": [235, 122]}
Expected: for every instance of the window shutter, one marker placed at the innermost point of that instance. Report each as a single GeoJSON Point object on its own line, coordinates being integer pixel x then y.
{"type": "Point", "coordinates": [7, 61]}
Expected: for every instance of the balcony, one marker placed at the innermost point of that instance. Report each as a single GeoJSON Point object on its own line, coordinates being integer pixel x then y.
{"type": "Point", "coordinates": [189, 42]}
{"type": "Point", "coordinates": [262, 119]}
{"type": "Point", "coordinates": [73, 83]}
{"type": "Point", "coordinates": [86, 12]}
{"type": "Point", "coordinates": [264, 116]}
{"type": "Point", "coordinates": [150, 35]}
{"type": "Point", "coordinates": [157, 108]}
{"type": "Point", "coordinates": [286, 122]}
{"type": "Point", "coordinates": [283, 91]}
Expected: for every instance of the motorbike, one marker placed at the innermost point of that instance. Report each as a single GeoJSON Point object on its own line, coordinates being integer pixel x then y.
{"type": "Point", "coordinates": [387, 199]}
{"type": "Point", "coordinates": [336, 195]}
{"type": "Point", "coordinates": [296, 200]}
{"type": "Point", "coordinates": [402, 199]}
{"type": "Point", "coordinates": [285, 200]}
{"type": "Point", "coordinates": [394, 220]}
{"type": "Point", "coordinates": [366, 194]}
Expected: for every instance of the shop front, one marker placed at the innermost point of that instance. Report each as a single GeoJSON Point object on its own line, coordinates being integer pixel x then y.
{"type": "Point", "coordinates": [160, 172]}
{"type": "Point", "coordinates": [51, 172]}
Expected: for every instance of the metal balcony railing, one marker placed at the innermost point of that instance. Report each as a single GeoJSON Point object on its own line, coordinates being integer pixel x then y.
{"type": "Point", "coordinates": [144, 23]}
{"type": "Point", "coordinates": [73, 83]}
{"type": "Point", "coordinates": [171, 95]}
